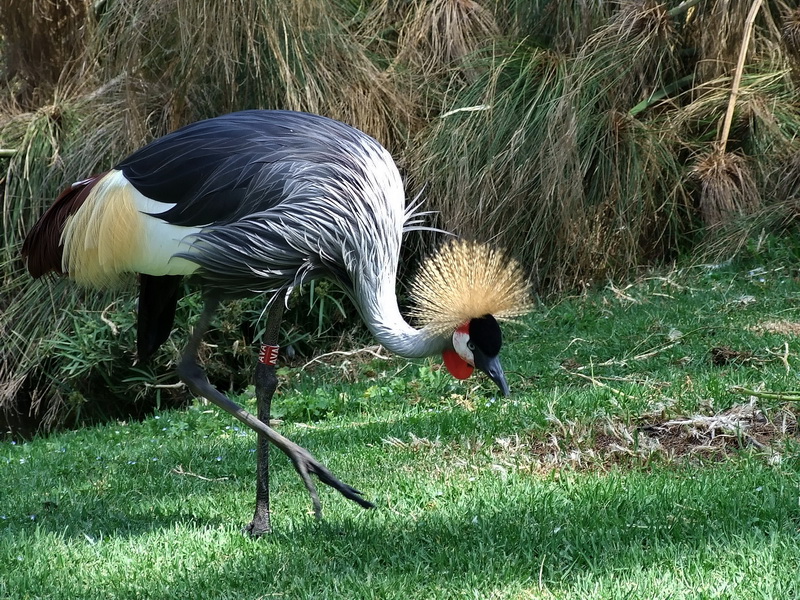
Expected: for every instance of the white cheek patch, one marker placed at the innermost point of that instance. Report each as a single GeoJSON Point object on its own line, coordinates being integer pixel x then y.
{"type": "Point", "coordinates": [460, 341]}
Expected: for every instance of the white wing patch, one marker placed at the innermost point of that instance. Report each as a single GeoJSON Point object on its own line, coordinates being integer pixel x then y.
{"type": "Point", "coordinates": [110, 235]}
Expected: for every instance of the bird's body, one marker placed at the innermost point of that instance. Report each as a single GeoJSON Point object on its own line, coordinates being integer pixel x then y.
{"type": "Point", "coordinates": [250, 202]}
{"type": "Point", "coordinates": [259, 202]}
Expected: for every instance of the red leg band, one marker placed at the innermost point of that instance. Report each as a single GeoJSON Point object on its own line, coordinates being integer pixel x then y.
{"type": "Point", "coordinates": [269, 355]}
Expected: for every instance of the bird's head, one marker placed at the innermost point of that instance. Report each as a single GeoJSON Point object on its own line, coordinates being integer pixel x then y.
{"type": "Point", "coordinates": [462, 291]}
{"type": "Point", "coordinates": [476, 345]}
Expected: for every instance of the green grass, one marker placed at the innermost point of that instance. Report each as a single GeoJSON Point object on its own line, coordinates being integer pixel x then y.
{"type": "Point", "coordinates": [477, 496]}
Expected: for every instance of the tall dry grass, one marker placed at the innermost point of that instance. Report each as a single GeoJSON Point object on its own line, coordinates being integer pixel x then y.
{"type": "Point", "coordinates": [137, 70]}
{"type": "Point", "coordinates": [542, 154]}
{"type": "Point", "coordinates": [40, 39]}
{"type": "Point", "coordinates": [578, 133]}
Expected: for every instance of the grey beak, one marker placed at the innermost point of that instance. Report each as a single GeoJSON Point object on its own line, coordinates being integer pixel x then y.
{"type": "Point", "coordinates": [493, 368]}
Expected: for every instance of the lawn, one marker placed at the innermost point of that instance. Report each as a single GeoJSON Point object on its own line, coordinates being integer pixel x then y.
{"type": "Point", "coordinates": [649, 450]}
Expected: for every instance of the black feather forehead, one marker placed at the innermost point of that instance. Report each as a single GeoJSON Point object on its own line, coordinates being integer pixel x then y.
{"type": "Point", "coordinates": [485, 333]}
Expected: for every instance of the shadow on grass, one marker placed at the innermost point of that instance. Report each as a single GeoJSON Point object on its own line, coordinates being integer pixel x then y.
{"type": "Point", "coordinates": [515, 530]}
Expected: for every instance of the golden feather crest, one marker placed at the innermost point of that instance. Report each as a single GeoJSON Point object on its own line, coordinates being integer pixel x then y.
{"type": "Point", "coordinates": [464, 280]}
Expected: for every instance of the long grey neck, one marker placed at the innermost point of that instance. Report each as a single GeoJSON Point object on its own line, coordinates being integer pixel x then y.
{"type": "Point", "coordinates": [382, 316]}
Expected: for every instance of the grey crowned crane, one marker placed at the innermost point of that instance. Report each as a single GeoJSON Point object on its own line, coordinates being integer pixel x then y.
{"type": "Point", "coordinates": [257, 202]}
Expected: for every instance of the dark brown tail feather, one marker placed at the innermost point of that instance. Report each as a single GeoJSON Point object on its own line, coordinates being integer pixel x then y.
{"type": "Point", "coordinates": [42, 247]}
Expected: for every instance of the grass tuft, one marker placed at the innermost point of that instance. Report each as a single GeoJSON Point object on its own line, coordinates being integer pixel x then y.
{"type": "Point", "coordinates": [442, 34]}
{"type": "Point", "coordinates": [790, 31]}
{"type": "Point", "coordinates": [727, 188]}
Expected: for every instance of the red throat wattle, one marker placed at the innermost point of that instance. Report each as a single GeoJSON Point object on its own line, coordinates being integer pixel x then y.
{"type": "Point", "coordinates": [455, 363]}
{"type": "Point", "coordinates": [457, 366]}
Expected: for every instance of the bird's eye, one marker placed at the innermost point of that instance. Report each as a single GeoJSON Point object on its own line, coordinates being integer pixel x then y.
{"type": "Point", "coordinates": [471, 345]}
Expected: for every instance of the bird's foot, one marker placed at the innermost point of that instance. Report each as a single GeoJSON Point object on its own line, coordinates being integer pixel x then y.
{"type": "Point", "coordinates": [305, 465]}
{"type": "Point", "coordinates": [258, 527]}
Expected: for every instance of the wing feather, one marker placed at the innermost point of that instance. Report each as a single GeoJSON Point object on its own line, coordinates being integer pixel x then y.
{"type": "Point", "coordinates": [280, 197]}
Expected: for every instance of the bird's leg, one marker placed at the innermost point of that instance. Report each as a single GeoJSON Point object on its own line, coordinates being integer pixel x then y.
{"type": "Point", "coordinates": [304, 463]}
{"type": "Point", "coordinates": [266, 383]}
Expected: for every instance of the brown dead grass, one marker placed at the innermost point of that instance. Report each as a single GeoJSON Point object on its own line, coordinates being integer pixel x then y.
{"type": "Point", "coordinates": [727, 187]}
{"type": "Point", "coordinates": [601, 446]}
{"type": "Point", "coordinates": [656, 437]}
{"type": "Point", "coordinates": [41, 41]}
{"type": "Point", "coordinates": [779, 327]}
{"type": "Point", "coordinates": [725, 355]}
